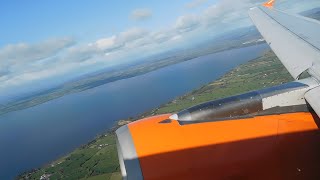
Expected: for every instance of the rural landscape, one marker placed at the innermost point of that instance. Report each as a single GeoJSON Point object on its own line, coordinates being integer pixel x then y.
{"type": "Point", "coordinates": [72, 73]}
{"type": "Point", "coordinates": [98, 159]}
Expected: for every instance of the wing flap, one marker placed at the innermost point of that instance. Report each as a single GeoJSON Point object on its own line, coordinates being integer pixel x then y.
{"type": "Point", "coordinates": [294, 39]}
{"type": "Point", "coordinates": [313, 97]}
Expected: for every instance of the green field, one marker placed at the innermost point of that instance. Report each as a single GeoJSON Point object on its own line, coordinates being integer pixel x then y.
{"type": "Point", "coordinates": [259, 73]}
{"type": "Point", "coordinates": [135, 69]}
{"type": "Point", "coordinates": [215, 45]}
{"type": "Point", "coordinates": [98, 159]}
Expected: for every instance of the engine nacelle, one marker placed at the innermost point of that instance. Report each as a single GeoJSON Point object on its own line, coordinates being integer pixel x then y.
{"type": "Point", "coordinates": [242, 137]}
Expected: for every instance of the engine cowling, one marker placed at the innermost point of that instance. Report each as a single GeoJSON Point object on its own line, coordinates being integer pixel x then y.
{"type": "Point", "coordinates": [242, 137]}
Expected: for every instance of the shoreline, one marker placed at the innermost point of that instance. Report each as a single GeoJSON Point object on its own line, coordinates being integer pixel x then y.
{"type": "Point", "coordinates": [29, 102]}
{"type": "Point", "coordinates": [226, 87]}
{"type": "Point", "coordinates": [265, 68]}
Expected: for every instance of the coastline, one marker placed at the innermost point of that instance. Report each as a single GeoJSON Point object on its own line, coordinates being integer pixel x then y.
{"type": "Point", "coordinates": [77, 119]}
{"type": "Point", "coordinates": [269, 74]}
{"type": "Point", "coordinates": [267, 68]}
{"type": "Point", "coordinates": [101, 79]}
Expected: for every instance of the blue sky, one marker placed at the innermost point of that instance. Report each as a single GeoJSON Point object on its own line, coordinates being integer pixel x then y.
{"type": "Point", "coordinates": [32, 21]}
{"type": "Point", "coordinates": [47, 42]}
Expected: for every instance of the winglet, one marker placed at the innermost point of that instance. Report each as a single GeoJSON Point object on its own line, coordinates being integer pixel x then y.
{"type": "Point", "coordinates": [269, 4]}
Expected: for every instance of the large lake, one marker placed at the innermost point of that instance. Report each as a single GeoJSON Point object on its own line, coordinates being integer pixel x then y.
{"type": "Point", "coordinates": [33, 137]}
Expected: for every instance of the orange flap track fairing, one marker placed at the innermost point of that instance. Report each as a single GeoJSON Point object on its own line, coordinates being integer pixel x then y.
{"type": "Point", "coordinates": [269, 3]}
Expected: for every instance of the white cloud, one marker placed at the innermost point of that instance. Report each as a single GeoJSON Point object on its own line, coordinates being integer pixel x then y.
{"type": "Point", "coordinates": [141, 14]}
{"type": "Point", "coordinates": [106, 43]}
{"type": "Point", "coordinates": [296, 6]}
{"type": "Point", "coordinates": [4, 72]}
{"type": "Point", "coordinates": [34, 76]}
{"type": "Point", "coordinates": [187, 23]}
{"type": "Point", "coordinates": [22, 52]}
{"type": "Point", "coordinates": [131, 35]}
{"type": "Point", "coordinates": [24, 63]}
{"type": "Point", "coordinates": [176, 37]}
{"type": "Point", "coordinates": [79, 53]}
{"type": "Point", "coordinates": [122, 41]}
{"type": "Point", "coordinates": [195, 3]}
{"type": "Point", "coordinates": [22, 57]}
{"type": "Point", "coordinates": [228, 11]}
{"type": "Point", "coordinates": [162, 36]}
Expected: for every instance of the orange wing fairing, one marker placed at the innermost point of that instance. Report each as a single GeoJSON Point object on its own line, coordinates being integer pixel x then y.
{"type": "Point", "coordinates": [246, 148]}
{"type": "Point", "coordinates": [269, 3]}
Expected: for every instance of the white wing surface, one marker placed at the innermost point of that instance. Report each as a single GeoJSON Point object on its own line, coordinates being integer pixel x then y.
{"type": "Point", "coordinates": [295, 39]}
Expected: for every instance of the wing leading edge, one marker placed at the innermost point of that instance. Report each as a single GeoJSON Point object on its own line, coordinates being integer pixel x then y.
{"type": "Point", "coordinates": [295, 39]}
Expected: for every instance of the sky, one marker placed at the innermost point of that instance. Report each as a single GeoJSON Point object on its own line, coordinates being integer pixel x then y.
{"type": "Point", "coordinates": [45, 43]}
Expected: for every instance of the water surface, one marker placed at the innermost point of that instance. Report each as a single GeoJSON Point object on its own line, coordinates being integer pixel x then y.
{"type": "Point", "coordinates": [33, 137]}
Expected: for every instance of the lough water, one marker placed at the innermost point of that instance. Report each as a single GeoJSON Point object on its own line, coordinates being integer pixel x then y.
{"type": "Point", "coordinates": [35, 136]}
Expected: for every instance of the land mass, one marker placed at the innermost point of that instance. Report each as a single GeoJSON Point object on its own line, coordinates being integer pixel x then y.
{"type": "Point", "coordinates": [234, 39]}
{"type": "Point", "coordinates": [98, 159]}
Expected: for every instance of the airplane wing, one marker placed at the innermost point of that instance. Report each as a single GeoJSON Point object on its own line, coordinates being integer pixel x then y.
{"type": "Point", "coordinates": [264, 134]}
{"type": "Point", "coordinates": [295, 40]}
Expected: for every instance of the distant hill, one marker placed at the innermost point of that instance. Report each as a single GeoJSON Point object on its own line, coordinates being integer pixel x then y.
{"type": "Point", "coordinates": [242, 37]}
{"type": "Point", "coordinates": [98, 159]}
{"type": "Point", "coordinates": [312, 13]}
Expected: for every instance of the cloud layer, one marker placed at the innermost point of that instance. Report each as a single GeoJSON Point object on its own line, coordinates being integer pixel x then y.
{"type": "Point", "coordinates": [29, 64]}
{"type": "Point", "coordinates": [141, 14]}
{"type": "Point", "coordinates": [195, 3]}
